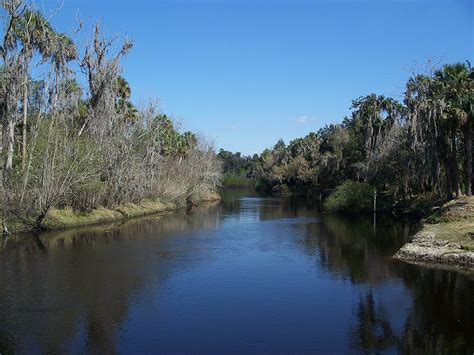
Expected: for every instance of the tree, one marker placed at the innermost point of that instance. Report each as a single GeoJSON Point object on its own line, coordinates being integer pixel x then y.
{"type": "Point", "coordinates": [375, 116]}
{"type": "Point", "coordinates": [426, 142]}
{"type": "Point", "coordinates": [61, 50]}
{"type": "Point", "coordinates": [457, 88]}
{"type": "Point", "coordinates": [86, 148]}
{"type": "Point", "coordinates": [13, 70]}
{"type": "Point", "coordinates": [33, 31]}
{"type": "Point", "coordinates": [123, 103]}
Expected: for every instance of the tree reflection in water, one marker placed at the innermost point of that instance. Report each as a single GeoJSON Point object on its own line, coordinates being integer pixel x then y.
{"type": "Point", "coordinates": [78, 289]}
{"type": "Point", "coordinates": [373, 330]}
{"type": "Point", "coordinates": [441, 319]}
{"type": "Point", "coordinates": [67, 285]}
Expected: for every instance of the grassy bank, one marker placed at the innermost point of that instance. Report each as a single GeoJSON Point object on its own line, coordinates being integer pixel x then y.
{"type": "Point", "coordinates": [454, 222]}
{"type": "Point", "coordinates": [57, 218]}
{"type": "Point", "coordinates": [66, 218]}
{"type": "Point", "coordinates": [447, 236]}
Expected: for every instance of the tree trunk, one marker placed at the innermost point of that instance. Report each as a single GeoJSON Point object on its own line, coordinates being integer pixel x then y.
{"type": "Point", "coordinates": [454, 164]}
{"type": "Point", "coordinates": [25, 116]}
{"type": "Point", "coordinates": [449, 180]}
{"type": "Point", "coordinates": [472, 163]}
{"type": "Point", "coordinates": [8, 146]}
{"type": "Point", "coordinates": [468, 144]}
{"type": "Point", "coordinates": [39, 220]}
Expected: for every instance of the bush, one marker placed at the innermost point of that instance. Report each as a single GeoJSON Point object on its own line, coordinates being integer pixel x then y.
{"type": "Point", "coordinates": [350, 197]}
{"type": "Point", "coordinates": [86, 196]}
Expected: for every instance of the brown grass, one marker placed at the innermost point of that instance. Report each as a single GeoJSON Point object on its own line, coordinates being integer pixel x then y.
{"type": "Point", "coordinates": [454, 222]}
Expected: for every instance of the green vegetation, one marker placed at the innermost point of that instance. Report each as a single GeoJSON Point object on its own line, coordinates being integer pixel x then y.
{"type": "Point", "coordinates": [459, 232]}
{"type": "Point", "coordinates": [237, 180]}
{"type": "Point", "coordinates": [454, 222]}
{"type": "Point", "coordinates": [446, 236]}
{"type": "Point", "coordinates": [67, 217]}
{"type": "Point", "coordinates": [75, 154]}
{"type": "Point", "coordinates": [410, 152]}
{"type": "Point", "coordinates": [350, 197]}
{"type": "Point", "coordinates": [237, 169]}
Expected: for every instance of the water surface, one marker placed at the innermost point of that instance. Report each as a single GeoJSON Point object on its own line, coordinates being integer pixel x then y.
{"type": "Point", "coordinates": [247, 275]}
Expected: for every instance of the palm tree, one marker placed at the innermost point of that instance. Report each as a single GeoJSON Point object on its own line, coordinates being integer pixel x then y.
{"type": "Point", "coordinates": [428, 135]}
{"type": "Point", "coordinates": [376, 114]}
{"type": "Point", "coordinates": [130, 112]}
{"type": "Point", "coordinates": [374, 118]}
{"type": "Point", "coordinates": [61, 50]}
{"type": "Point", "coordinates": [32, 30]}
{"type": "Point", "coordinates": [123, 90]}
{"type": "Point", "coordinates": [123, 103]}
{"type": "Point", "coordinates": [457, 88]}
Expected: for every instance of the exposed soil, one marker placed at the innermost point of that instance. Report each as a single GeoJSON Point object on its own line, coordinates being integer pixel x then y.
{"type": "Point", "coordinates": [447, 237]}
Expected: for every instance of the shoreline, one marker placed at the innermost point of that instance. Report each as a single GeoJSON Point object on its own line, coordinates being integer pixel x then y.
{"type": "Point", "coordinates": [446, 238]}
{"type": "Point", "coordinates": [61, 219]}
{"type": "Point", "coordinates": [426, 248]}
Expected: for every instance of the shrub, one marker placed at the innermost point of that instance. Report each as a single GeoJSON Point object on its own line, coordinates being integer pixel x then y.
{"type": "Point", "coordinates": [350, 197]}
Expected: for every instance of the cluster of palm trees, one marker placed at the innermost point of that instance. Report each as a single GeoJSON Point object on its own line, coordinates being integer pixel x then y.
{"type": "Point", "coordinates": [441, 114]}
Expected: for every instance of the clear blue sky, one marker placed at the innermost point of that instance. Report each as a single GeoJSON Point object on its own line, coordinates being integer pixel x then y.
{"type": "Point", "coordinates": [246, 73]}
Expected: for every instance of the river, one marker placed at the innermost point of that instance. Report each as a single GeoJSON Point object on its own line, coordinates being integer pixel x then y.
{"type": "Point", "coordinates": [246, 275]}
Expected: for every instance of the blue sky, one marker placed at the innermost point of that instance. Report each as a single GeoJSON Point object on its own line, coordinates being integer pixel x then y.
{"type": "Point", "coordinates": [246, 73]}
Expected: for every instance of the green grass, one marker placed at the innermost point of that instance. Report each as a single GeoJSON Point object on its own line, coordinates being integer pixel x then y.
{"type": "Point", "coordinates": [143, 208]}
{"type": "Point", "coordinates": [453, 222]}
{"type": "Point", "coordinates": [64, 218]}
{"type": "Point", "coordinates": [67, 217]}
{"type": "Point", "coordinates": [455, 232]}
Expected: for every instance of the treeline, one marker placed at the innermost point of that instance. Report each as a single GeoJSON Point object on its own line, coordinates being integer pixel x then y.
{"type": "Point", "coordinates": [238, 169]}
{"type": "Point", "coordinates": [420, 146]}
{"type": "Point", "coordinates": [66, 145]}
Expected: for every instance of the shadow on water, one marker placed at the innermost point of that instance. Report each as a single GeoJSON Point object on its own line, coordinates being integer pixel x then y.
{"type": "Point", "coordinates": [248, 274]}
{"type": "Point", "coordinates": [86, 278]}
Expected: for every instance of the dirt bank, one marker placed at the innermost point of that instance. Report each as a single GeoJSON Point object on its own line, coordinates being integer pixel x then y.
{"type": "Point", "coordinates": [427, 248]}
{"type": "Point", "coordinates": [446, 237]}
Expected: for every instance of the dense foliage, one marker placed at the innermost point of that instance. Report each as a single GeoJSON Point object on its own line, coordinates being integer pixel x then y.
{"type": "Point", "coordinates": [237, 169]}
{"type": "Point", "coordinates": [350, 197]}
{"type": "Point", "coordinates": [69, 146]}
{"type": "Point", "coordinates": [420, 146]}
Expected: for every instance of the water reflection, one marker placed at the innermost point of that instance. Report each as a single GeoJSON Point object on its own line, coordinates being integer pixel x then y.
{"type": "Point", "coordinates": [442, 317]}
{"type": "Point", "coordinates": [73, 289]}
{"type": "Point", "coordinates": [349, 247]}
{"type": "Point", "coordinates": [373, 330]}
{"type": "Point", "coordinates": [248, 274]}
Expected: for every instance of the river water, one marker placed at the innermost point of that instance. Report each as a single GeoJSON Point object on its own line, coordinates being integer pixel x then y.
{"type": "Point", "coordinates": [247, 275]}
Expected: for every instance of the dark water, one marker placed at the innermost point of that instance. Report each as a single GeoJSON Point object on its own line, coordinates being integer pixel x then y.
{"type": "Point", "coordinates": [248, 275]}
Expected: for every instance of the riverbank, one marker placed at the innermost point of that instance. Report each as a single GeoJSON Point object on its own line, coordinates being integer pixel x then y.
{"type": "Point", "coordinates": [68, 218]}
{"type": "Point", "coordinates": [447, 237]}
